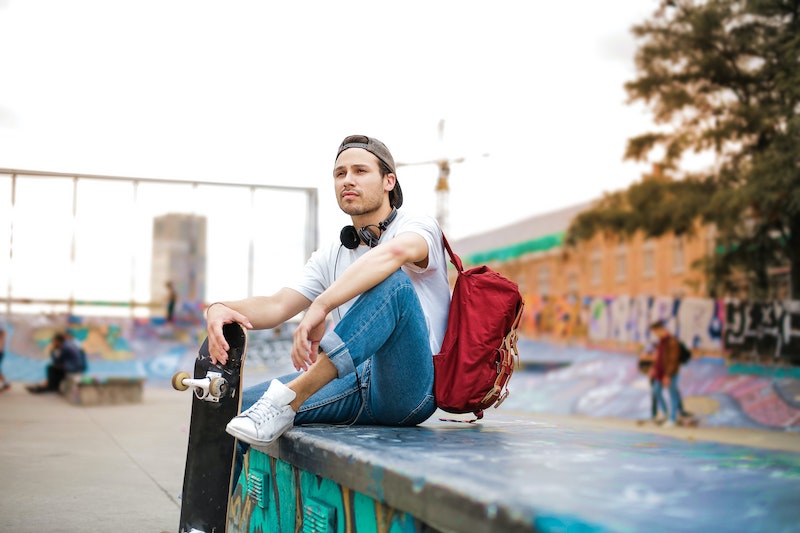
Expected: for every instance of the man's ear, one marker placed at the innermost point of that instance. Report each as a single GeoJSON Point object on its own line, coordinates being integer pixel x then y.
{"type": "Point", "coordinates": [391, 179]}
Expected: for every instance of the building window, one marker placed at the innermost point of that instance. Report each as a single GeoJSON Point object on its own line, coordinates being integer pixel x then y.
{"type": "Point", "coordinates": [596, 267]}
{"type": "Point", "coordinates": [572, 282]}
{"type": "Point", "coordinates": [544, 280]}
{"type": "Point", "coordinates": [648, 259]}
{"type": "Point", "coordinates": [621, 260]}
{"type": "Point", "coordinates": [678, 258]}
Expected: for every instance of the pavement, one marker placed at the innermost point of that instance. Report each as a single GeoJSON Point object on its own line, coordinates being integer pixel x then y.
{"type": "Point", "coordinates": [68, 468]}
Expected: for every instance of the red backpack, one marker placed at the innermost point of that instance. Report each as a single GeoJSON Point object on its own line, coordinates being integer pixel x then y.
{"type": "Point", "coordinates": [471, 372]}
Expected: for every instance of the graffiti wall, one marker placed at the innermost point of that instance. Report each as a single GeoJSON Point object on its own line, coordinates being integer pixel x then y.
{"type": "Point", "coordinates": [116, 346]}
{"type": "Point", "coordinates": [771, 329]}
{"type": "Point", "coordinates": [765, 330]}
{"type": "Point", "coordinates": [696, 321]}
{"type": "Point", "coordinates": [559, 316]}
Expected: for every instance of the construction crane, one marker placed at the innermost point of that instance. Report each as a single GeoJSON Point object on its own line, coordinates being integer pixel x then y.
{"type": "Point", "coordinates": [443, 182]}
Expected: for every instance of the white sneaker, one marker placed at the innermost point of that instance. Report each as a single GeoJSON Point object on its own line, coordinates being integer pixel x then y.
{"type": "Point", "coordinates": [669, 424]}
{"type": "Point", "coordinates": [267, 419]}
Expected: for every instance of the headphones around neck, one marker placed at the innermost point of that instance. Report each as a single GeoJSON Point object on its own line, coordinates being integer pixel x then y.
{"type": "Point", "coordinates": [351, 237]}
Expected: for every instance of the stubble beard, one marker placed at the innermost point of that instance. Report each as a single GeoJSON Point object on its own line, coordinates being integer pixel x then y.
{"type": "Point", "coordinates": [368, 206]}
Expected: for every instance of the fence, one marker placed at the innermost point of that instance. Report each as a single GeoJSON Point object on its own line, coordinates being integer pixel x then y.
{"type": "Point", "coordinates": [84, 244]}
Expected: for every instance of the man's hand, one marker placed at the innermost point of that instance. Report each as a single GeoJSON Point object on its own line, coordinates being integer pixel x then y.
{"type": "Point", "coordinates": [307, 336]}
{"type": "Point", "coordinates": [217, 315]}
{"type": "Point", "coordinates": [666, 381]}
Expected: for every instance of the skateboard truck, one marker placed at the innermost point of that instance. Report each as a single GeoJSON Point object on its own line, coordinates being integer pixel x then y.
{"type": "Point", "coordinates": [210, 388]}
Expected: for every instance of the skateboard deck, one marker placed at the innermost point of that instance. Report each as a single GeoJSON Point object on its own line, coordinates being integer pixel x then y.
{"type": "Point", "coordinates": [210, 453]}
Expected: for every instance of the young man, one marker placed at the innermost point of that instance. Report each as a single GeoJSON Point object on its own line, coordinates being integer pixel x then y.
{"type": "Point", "coordinates": [664, 372]}
{"type": "Point", "coordinates": [385, 287]}
{"type": "Point", "coordinates": [646, 360]}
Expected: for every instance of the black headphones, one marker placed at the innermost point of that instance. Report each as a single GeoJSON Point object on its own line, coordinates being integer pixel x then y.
{"type": "Point", "coordinates": [351, 237]}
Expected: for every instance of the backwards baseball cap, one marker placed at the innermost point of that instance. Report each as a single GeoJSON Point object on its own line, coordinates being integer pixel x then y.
{"type": "Point", "coordinates": [379, 150]}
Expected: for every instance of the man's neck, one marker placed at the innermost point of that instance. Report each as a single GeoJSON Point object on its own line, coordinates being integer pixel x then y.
{"type": "Point", "coordinates": [372, 219]}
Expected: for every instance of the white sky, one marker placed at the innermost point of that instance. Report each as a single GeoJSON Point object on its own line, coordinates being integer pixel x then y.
{"type": "Point", "coordinates": [264, 91]}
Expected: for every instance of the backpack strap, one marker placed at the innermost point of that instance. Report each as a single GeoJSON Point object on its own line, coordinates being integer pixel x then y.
{"type": "Point", "coordinates": [453, 257]}
{"type": "Point", "coordinates": [509, 359]}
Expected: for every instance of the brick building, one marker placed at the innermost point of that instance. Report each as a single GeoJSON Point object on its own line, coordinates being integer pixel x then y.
{"type": "Point", "coordinates": [532, 252]}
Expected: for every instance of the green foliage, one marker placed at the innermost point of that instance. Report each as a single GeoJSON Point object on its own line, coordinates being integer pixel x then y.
{"type": "Point", "coordinates": [720, 76]}
{"type": "Point", "coordinates": [655, 206]}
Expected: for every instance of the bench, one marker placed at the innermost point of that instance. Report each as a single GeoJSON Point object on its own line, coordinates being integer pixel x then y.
{"type": "Point", "coordinates": [88, 389]}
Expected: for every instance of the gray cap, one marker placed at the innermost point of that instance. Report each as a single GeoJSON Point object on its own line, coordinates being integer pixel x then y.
{"type": "Point", "coordinates": [379, 150]}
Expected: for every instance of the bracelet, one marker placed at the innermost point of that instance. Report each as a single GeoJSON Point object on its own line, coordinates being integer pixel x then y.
{"type": "Point", "coordinates": [209, 306]}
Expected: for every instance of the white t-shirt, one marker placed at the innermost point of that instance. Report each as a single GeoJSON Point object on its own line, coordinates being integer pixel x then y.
{"type": "Point", "coordinates": [431, 283]}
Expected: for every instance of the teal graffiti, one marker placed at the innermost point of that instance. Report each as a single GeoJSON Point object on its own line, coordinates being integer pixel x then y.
{"type": "Point", "coordinates": [273, 496]}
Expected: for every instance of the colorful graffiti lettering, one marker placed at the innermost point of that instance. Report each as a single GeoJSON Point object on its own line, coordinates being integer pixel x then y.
{"type": "Point", "coordinates": [768, 329]}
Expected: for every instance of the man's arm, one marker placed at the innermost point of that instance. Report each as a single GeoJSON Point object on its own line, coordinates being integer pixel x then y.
{"type": "Point", "coordinates": [366, 272]}
{"type": "Point", "coordinates": [258, 312]}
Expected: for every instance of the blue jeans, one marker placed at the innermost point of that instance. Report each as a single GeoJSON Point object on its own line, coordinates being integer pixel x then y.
{"type": "Point", "coordinates": [384, 361]}
{"type": "Point", "coordinates": [674, 397]}
{"type": "Point", "coordinates": [382, 352]}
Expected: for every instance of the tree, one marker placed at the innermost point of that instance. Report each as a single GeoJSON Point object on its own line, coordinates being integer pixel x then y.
{"type": "Point", "coordinates": [720, 76]}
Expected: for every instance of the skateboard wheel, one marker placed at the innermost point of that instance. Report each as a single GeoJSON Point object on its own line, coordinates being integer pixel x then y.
{"type": "Point", "coordinates": [218, 387]}
{"type": "Point", "coordinates": [177, 380]}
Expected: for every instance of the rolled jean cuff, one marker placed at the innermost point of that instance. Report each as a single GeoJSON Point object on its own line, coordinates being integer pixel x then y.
{"type": "Point", "coordinates": [338, 353]}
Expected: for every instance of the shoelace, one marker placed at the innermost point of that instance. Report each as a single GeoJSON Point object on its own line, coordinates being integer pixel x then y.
{"type": "Point", "coordinates": [262, 411]}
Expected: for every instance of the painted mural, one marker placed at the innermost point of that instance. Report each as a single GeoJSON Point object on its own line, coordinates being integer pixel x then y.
{"type": "Point", "coordinates": [273, 496]}
{"type": "Point", "coordinates": [696, 321]}
{"type": "Point", "coordinates": [766, 331]}
{"type": "Point", "coordinates": [770, 329]}
{"type": "Point", "coordinates": [123, 347]}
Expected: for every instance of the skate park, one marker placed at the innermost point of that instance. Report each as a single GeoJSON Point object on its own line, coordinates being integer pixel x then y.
{"type": "Point", "coordinates": [577, 407]}
{"type": "Point", "coordinates": [155, 159]}
{"type": "Point", "coordinates": [571, 447]}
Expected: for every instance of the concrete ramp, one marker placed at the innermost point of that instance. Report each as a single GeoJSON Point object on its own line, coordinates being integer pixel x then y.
{"type": "Point", "coordinates": [590, 382]}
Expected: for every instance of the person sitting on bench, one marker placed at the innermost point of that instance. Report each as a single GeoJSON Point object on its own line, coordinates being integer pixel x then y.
{"type": "Point", "coordinates": [67, 358]}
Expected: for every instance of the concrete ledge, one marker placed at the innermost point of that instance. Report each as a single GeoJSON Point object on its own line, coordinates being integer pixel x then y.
{"type": "Point", "coordinates": [436, 477]}
{"type": "Point", "coordinates": [508, 474]}
{"type": "Point", "coordinates": [86, 389]}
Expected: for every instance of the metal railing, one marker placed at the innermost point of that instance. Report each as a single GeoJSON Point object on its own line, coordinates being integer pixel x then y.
{"type": "Point", "coordinates": [18, 176]}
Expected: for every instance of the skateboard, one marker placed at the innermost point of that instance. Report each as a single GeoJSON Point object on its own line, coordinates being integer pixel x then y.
{"type": "Point", "coordinates": [210, 454]}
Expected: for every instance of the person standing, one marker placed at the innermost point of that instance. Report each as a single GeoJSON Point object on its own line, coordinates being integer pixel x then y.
{"type": "Point", "coordinates": [664, 372]}
{"type": "Point", "coordinates": [172, 298]}
{"type": "Point", "coordinates": [4, 384]}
